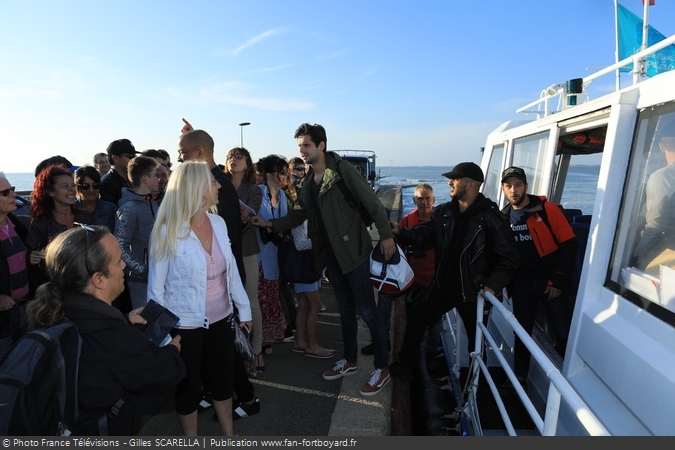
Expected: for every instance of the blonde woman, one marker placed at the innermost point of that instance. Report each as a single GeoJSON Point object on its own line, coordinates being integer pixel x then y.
{"type": "Point", "coordinates": [193, 273]}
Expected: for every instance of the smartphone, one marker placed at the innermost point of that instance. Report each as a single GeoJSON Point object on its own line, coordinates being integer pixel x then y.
{"type": "Point", "coordinates": [160, 322]}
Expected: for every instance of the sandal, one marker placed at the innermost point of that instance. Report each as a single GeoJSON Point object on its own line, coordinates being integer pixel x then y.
{"type": "Point", "coordinates": [321, 354]}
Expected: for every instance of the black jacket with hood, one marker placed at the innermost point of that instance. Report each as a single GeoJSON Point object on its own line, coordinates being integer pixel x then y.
{"type": "Point", "coordinates": [116, 360]}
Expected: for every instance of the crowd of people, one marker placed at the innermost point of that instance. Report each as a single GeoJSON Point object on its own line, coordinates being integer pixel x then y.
{"type": "Point", "coordinates": [202, 240]}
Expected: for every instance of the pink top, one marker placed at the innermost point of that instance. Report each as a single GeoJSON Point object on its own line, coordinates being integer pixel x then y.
{"type": "Point", "coordinates": [217, 299]}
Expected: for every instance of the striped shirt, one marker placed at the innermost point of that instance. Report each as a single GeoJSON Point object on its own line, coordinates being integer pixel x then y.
{"type": "Point", "coordinates": [15, 253]}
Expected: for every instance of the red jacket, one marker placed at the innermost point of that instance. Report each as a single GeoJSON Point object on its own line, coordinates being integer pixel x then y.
{"type": "Point", "coordinates": [557, 246]}
{"type": "Point", "coordinates": [424, 268]}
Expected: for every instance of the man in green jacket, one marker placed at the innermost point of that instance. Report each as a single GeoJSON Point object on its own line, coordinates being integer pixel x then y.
{"type": "Point", "coordinates": [342, 244]}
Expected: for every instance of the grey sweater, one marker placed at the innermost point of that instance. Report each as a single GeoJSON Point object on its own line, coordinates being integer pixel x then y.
{"type": "Point", "coordinates": [133, 225]}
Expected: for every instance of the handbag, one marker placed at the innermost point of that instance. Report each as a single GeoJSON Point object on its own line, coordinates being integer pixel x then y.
{"type": "Point", "coordinates": [243, 346]}
{"type": "Point", "coordinates": [301, 237]}
{"type": "Point", "coordinates": [296, 266]}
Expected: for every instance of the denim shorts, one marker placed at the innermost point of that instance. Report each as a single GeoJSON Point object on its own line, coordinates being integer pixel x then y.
{"type": "Point", "coordinates": [307, 287]}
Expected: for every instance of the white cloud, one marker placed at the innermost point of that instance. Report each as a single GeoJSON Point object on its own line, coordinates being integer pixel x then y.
{"type": "Point", "coordinates": [369, 72]}
{"type": "Point", "coordinates": [52, 87]}
{"type": "Point", "coordinates": [269, 69]}
{"type": "Point", "coordinates": [256, 39]}
{"type": "Point", "coordinates": [232, 92]}
{"type": "Point", "coordinates": [24, 92]}
{"type": "Point", "coordinates": [332, 55]}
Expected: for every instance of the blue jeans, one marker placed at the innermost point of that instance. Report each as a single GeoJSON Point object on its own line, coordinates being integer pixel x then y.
{"type": "Point", "coordinates": [138, 291]}
{"type": "Point", "coordinates": [354, 290]}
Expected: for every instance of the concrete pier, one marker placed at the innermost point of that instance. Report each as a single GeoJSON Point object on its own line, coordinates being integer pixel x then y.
{"type": "Point", "coordinates": [295, 400]}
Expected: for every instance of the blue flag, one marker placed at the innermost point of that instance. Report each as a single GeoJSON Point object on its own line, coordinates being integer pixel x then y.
{"type": "Point", "coordinates": [630, 41]}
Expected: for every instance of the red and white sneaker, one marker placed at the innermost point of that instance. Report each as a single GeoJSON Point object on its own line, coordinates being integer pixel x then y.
{"type": "Point", "coordinates": [378, 380]}
{"type": "Point", "coordinates": [341, 369]}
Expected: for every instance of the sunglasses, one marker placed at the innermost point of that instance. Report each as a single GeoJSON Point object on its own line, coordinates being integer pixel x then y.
{"type": "Point", "coordinates": [128, 155]}
{"type": "Point", "coordinates": [300, 169]}
{"type": "Point", "coordinates": [283, 172]}
{"type": "Point", "coordinates": [6, 192]}
{"type": "Point", "coordinates": [237, 156]}
{"type": "Point", "coordinates": [88, 229]}
{"type": "Point", "coordinates": [87, 186]}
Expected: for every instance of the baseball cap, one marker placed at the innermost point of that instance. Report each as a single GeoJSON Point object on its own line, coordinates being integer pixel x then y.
{"type": "Point", "coordinates": [466, 170]}
{"type": "Point", "coordinates": [121, 147]}
{"type": "Point", "coordinates": [514, 172]}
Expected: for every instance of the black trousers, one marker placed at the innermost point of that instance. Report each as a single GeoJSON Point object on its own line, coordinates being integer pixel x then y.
{"type": "Point", "coordinates": [527, 295]}
{"type": "Point", "coordinates": [425, 313]}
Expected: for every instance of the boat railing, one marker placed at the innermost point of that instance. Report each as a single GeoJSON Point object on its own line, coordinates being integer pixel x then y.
{"type": "Point", "coordinates": [557, 91]}
{"type": "Point", "coordinates": [559, 389]}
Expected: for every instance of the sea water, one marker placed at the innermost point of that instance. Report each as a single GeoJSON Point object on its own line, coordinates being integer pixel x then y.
{"type": "Point", "coordinates": [579, 189]}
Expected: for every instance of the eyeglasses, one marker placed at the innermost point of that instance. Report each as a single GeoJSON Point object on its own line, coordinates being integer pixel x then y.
{"type": "Point", "coordinates": [128, 155]}
{"type": "Point", "coordinates": [237, 156]}
{"type": "Point", "coordinates": [6, 192]}
{"type": "Point", "coordinates": [283, 172]}
{"type": "Point", "coordinates": [87, 186]}
{"type": "Point", "coordinates": [88, 229]}
{"type": "Point", "coordinates": [299, 169]}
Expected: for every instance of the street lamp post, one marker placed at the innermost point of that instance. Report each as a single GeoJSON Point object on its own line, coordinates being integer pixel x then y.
{"type": "Point", "coordinates": [242, 125]}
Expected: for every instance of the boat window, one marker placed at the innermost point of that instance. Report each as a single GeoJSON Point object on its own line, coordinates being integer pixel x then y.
{"type": "Point", "coordinates": [576, 182]}
{"type": "Point", "coordinates": [492, 186]}
{"type": "Point", "coordinates": [643, 259]}
{"type": "Point", "coordinates": [529, 153]}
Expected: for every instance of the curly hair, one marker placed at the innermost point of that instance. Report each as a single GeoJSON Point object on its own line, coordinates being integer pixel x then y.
{"type": "Point", "coordinates": [41, 202]}
{"type": "Point", "coordinates": [249, 174]}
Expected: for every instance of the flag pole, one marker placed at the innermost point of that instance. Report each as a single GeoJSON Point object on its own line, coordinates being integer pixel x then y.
{"type": "Point", "coordinates": [645, 25]}
{"type": "Point", "coordinates": [616, 42]}
{"type": "Point", "coordinates": [645, 40]}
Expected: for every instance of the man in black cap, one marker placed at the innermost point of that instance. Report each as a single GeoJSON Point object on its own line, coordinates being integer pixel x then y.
{"type": "Point", "coordinates": [474, 252]}
{"type": "Point", "coordinates": [548, 249]}
{"type": "Point", "coordinates": [120, 152]}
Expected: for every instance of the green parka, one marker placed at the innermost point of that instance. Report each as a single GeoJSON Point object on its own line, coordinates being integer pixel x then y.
{"type": "Point", "coordinates": [348, 235]}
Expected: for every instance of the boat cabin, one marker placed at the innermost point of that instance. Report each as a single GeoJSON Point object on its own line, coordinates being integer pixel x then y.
{"type": "Point", "coordinates": [620, 357]}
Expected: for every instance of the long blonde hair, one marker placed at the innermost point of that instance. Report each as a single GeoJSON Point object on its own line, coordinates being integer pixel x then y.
{"type": "Point", "coordinates": [182, 201]}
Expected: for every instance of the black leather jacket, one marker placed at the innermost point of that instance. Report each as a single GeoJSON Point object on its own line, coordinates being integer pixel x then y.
{"type": "Point", "coordinates": [489, 256]}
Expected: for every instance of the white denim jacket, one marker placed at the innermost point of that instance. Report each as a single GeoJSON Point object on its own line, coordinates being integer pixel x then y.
{"type": "Point", "coordinates": [179, 281]}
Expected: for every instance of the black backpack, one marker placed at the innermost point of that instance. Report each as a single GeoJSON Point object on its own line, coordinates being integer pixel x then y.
{"type": "Point", "coordinates": [351, 199]}
{"type": "Point", "coordinates": [38, 382]}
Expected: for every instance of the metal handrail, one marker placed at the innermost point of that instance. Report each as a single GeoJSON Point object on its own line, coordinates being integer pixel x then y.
{"type": "Point", "coordinates": [634, 59]}
{"type": "Point", "coordinates": [559, 388]}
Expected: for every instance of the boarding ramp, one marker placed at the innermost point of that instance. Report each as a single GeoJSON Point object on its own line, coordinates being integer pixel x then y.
{"type": "Point", "coordinates": [468, 412]}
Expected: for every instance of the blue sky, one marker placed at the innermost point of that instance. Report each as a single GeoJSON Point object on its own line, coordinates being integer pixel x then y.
{"type": "Point", "coordinates": [420, 83]}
